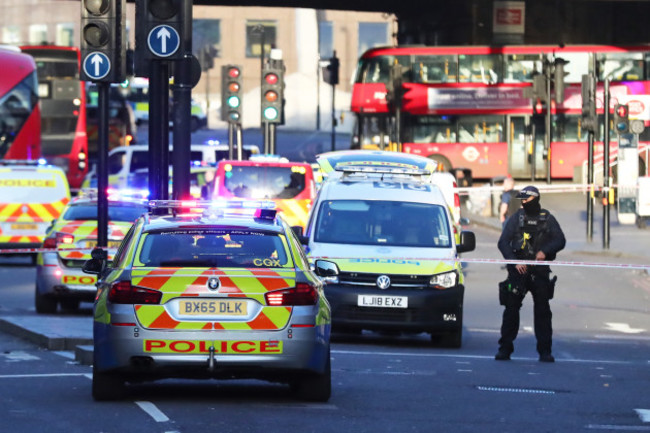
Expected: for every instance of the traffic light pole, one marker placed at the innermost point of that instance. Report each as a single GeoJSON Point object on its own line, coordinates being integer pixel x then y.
{"type": "Point", "coordinates": [333, 117]}
{"type": "Point", "coordinates": [182, 109]}
{"type": "Point", "coordinates": [159, 130]}
{"type": "Point", "coordinates": [102, 165]}
{"type": "Point", "coordinates": [606, 179]}
{"type": "Point", "coordinates": [549, 132]}
{"type": "Point", "coordinates": [231, 140]}
{"type": "Point", "coordinates": [240, 152]}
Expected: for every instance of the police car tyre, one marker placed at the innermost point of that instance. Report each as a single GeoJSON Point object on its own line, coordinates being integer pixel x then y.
{"type": "Point", "coordinates": [315, 387]}
{"type": "Point", "coordinates": [45, 304]}
{"type": "Point", "coordinates": [107, 386]}
{"type": "Point", "coordinates": [70, 304]}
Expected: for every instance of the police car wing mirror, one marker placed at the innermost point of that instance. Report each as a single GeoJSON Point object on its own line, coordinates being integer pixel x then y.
{"type": "Point", "coordinates": [97, 264]}
{"type": "Point", "coordinates": [297, 230]}
{"type": "Point", "coordinates": [467, 242]}
{"type": "Point", "coordinates": [464, 221]}
{"type": "Point", "coordinates": [327, 271]}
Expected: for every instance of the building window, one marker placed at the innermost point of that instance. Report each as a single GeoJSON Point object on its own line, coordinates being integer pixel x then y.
{"type": "Point", "coordinates": [372, 35]}
{"type": "Point", "coordinates": [256, 31]}
{"type": "Point", "coordinates": [65, 34]}
{"type": "Point", "coordinates": [11, 35]}
{"type": "Point", "coordinates": [206, 34]}
{"type": "Point", "coordinates": [38, 34]}
{"type": "Point", "coordinates": [325, 39]}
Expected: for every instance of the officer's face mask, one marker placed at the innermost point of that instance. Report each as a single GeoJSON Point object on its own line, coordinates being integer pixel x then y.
{"type": "Point", "coordinates": [532, 207]}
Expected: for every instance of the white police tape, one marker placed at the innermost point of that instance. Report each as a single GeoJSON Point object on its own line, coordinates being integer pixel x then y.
{"type": "Point", "coordinates": [392, 260]}
{"type": "Point", "coordinates": [47, 250]}
{"type": "Point", "coordinates": [412, 260]}
{"type": "Point", "coordinates": [548, 188]}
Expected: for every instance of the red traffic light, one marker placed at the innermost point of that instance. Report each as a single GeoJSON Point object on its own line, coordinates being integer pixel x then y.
{"type": "Point", "coordinates": [271, 79]}
{"type": "Point", "coordinates": [233, 73]}
{"type": "Point", "coordinates": [621, 110]}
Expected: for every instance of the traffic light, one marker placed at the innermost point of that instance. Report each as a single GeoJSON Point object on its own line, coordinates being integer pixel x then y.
{"type": "Point", "coordinates": [231, 93]}
{"type": "Point", "coordinates": [558, 79]}
{"type": "Point", "coordinates": [272, 93]}
{"type": "Point", "coordinates": [589, 118]}
{"type": "Point", "coordinates": [159, 35]}
{"type": "Point", "coordinates": [621, 121]}
{"type": "Point", "coordinates": [103, 35]}
{"type": "Point", "coordinates": [331, 71]}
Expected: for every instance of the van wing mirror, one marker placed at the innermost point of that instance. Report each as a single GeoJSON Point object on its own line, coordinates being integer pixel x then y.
{"type": "Point", "coordinates": [327, 271]}
{"type": "Point", "coordinates": [467, 242]}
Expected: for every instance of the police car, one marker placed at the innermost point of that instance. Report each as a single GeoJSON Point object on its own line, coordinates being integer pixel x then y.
{"type": "Point", "coordinates": [59, 278]}
{"type": "Point", "coordinates": [32, 195]}
{"type": "Point", "coordinates": [226, 293]}
{"type": "Point", "coordinates": [391, 234]}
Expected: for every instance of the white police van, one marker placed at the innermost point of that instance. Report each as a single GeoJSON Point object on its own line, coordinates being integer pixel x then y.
{"type": "Point", "coordinates": [391, 234]}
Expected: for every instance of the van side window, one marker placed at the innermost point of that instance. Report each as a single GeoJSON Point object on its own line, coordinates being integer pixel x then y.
{"type": "Point", "coordinates": [116, 162]}
{"type": "Point", "coordinates": [139, 160]}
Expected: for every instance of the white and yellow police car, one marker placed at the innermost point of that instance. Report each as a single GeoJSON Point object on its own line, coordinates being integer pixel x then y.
{"type": "Point", "coordinates": [59, 279]}
{"type": "Point", "coordinates": [221, 294]}
{"type": "Point", "coordinates": [391, 235]}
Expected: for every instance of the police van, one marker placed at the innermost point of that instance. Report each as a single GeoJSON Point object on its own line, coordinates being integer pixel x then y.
{"type": "Point", "coordinates": [32, 195]}
{"type": "Point", "coordinates": [124, 160]}
{"type": "Point", "coordinates": [391, 234]}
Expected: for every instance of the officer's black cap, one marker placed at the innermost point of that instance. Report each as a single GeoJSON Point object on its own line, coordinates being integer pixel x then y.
{"type": "Point", "coordinates": [529, 191]}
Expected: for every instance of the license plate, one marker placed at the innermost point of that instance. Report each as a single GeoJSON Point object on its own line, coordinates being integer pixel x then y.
{"type": "Point", "coordinates": [19, 226]}
{"type": "Point", "coordinates": [216, 307]}
{"type": "Point", "coordinates": [111, 244]}
{"type": "Point", "coordinates": [383, 301]}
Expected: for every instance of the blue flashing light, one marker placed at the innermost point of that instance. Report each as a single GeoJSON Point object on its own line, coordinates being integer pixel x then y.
{"type": "Point", "coordinates": [212, 142]}
{"type": "Point", "coordinates": [42, 161]}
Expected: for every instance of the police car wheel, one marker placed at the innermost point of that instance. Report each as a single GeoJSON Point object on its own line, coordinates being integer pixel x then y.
{"type": "Point", "coordinates": [45, 304]}
{"type": "Point", "coordinates": [70, 305]}
{"type": "Point", "coordinates": [107, 386]}
{"type": "Point", "coordinates": [314, 387]}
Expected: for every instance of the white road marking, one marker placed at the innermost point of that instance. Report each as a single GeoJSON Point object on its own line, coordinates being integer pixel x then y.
{"type": "Point", "coordinates": [489, 357]}
{"type": "Point", "coordinates": [152, 410]}
{"type": "Point", "coordinates": [23, 376]}
{"type": "Point", "coordinates": [19, 356]}
{"type": "Point", "coordinates": [65, 354]}
{"type": "Point", "coordinates": [616, 427]}
{"type": "Point", "coordinates": [622, 327]}
{"type": "Point", "coordinates": [644, 414]}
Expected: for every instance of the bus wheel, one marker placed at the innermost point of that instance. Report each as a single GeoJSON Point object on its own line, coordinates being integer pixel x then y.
{"type": "Point", "coordinates": [446, 165]}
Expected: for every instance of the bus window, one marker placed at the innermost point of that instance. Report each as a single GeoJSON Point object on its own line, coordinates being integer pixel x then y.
{"type": "Point", "coordinates": [520, 68]}
{"type": "Point", "coordinates": [620, 66]}
{"type": "Point", "coordinates": [568, 128]}
{"type": "Point", "coordinates": [480, 68]}
{"type": "Point", "coordinates": [481, 129]}
{"type": "Point", "coordinates": [433, 129]}
{"type": "Point", "coordinates": [435, 69]}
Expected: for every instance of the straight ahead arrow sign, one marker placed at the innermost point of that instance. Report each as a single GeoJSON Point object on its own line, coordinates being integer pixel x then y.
{"type": "Point", "coordinates": [163, 34]}
{"type": "Point", "coordinates": [97, 61]}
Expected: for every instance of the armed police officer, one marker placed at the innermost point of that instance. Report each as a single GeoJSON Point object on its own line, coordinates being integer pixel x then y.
{"type": "Point", "coordinates": [532, 233]}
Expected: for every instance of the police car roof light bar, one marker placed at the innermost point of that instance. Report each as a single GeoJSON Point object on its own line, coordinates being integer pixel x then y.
{"type": "Point", "coordinates": [347, 170]}
{"type": "Point", "coordinates": [39, 162]}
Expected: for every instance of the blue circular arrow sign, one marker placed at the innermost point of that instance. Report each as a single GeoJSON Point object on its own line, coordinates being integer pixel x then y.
{"type": "Point", "coordinates": [96, 65]}
{"type": "Point", "coordinates": [163, 40]}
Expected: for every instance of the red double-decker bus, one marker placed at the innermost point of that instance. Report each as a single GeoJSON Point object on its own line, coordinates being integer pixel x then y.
{"type": "Point", "coordinates": [471, 107]}
{"type": "Point", "coordinates": [63, 109]}
{"type": "Point", "coordinates": [20, 117]}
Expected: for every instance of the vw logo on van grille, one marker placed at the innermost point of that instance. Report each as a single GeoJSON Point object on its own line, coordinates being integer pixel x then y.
{"type": "Point", "coordinates": [383, 282]}
{"type": "Point", "coordinates": [214, 283]}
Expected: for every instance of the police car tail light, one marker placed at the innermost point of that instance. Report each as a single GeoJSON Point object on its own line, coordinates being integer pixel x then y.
{"type": "Point", "coordinates": [444, 280]}
{"type": "Point", "coordinates": [302, 294]}
{"type": "Point", "coordinates": [57, 239]}
{"type": "Point", "coordinates": [123, 292]}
